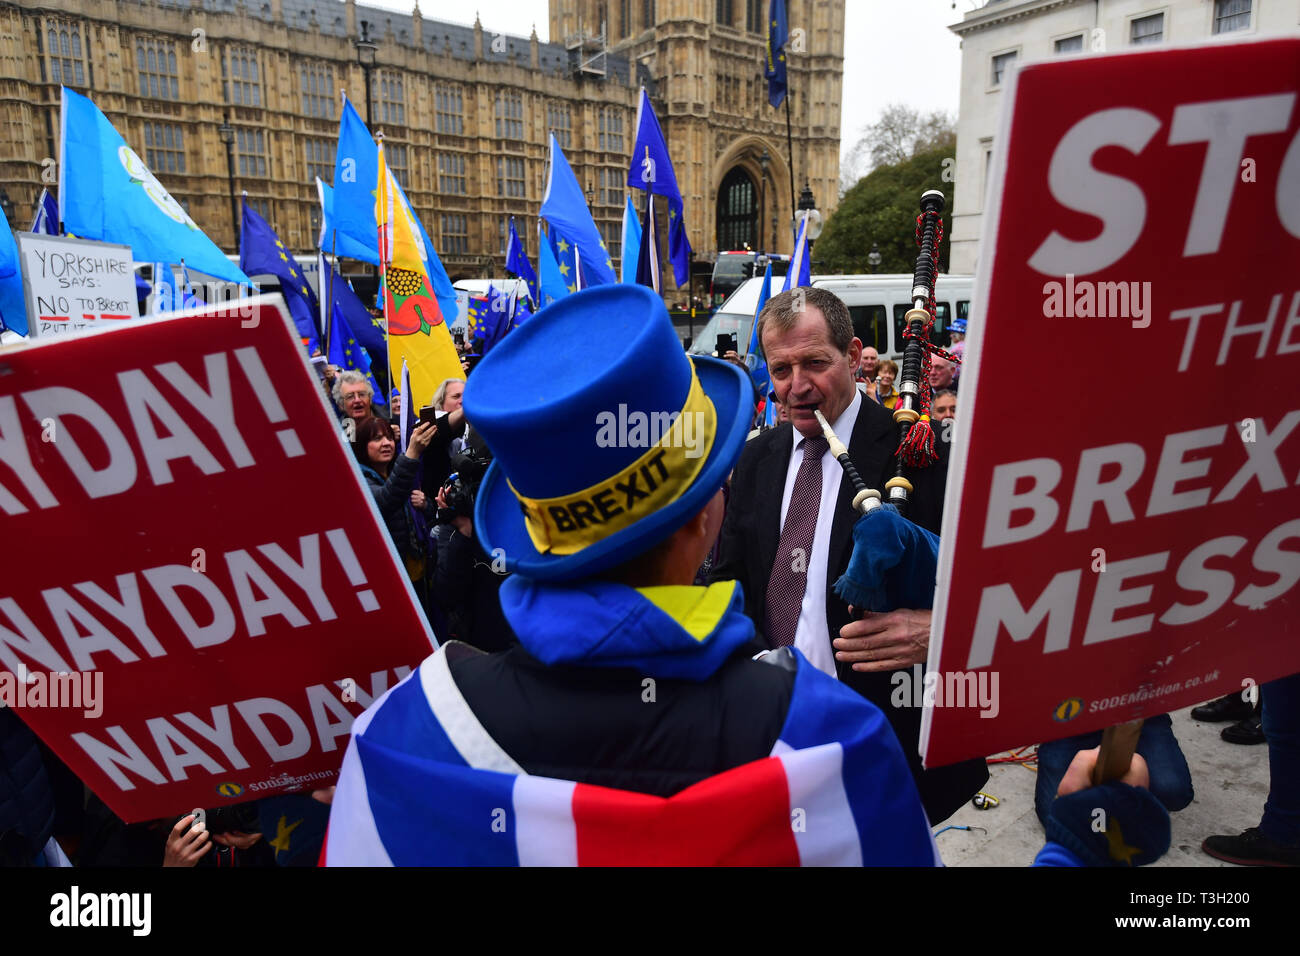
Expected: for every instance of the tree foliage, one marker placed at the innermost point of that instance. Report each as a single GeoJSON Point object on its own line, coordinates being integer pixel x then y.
{"type": "Point", "coordinates": [900, 134]}
{"type": "Point", "coordinates": [882, 208]}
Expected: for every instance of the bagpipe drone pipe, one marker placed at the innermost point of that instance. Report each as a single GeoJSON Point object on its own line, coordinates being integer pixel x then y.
{"type": "Point", "coordinates": [894, 561]}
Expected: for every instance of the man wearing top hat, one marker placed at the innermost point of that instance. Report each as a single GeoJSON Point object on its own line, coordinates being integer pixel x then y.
{"type": "Point", "coordinates": [630, 724]}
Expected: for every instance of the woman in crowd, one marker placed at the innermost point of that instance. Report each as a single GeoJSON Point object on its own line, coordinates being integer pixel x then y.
{"type": "Point", "coordinates": [886, 373]}
{"type": "Point", "coordinates": [392, 479]}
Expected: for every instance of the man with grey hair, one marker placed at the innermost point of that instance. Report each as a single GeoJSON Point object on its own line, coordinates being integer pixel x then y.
{"type": "Point", "coordinates": [787, 535]}
{"type": "Point", "coordinates": [354, 396]}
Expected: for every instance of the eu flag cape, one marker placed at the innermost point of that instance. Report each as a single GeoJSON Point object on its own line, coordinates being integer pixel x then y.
{"type": "Point", "coordinates": [106, 192]}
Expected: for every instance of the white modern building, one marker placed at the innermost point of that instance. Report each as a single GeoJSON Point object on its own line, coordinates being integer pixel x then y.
{"type": "Point", "coordinates": [1003, 33]}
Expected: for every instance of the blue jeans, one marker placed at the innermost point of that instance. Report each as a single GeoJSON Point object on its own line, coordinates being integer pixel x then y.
{"type": "Point", "coordinates": [1171, 781]}
{"type": "Point", "coordinates": [1281, 718]}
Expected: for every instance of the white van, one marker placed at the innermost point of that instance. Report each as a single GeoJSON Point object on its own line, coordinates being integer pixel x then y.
{"type": "Point", "coordinates": [479, 287]}
{"type": "Point", "coordinates": [877, 304]}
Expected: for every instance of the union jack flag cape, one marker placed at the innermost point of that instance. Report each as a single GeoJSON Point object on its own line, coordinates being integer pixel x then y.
{"type": "Point", "coordinates": [424, 784]}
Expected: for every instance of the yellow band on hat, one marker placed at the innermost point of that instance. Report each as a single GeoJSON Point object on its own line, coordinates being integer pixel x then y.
{"type": "Point", "coordinates": [569, 523]}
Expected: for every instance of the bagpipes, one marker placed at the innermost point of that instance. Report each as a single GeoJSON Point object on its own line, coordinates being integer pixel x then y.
{"type": "Point", "coordinates": [895, 562]}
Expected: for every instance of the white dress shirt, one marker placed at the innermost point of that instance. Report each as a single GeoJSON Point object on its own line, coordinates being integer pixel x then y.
{"type": "Point", "coordinates": [812, 637]}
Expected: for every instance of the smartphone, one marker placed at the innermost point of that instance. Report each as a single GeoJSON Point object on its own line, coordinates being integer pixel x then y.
{"type": "Point", "coordinates": [429, 414]}
{"type": "Point", "coordinates": [726, 343]}
{"type": "Point", "coordinates": [319, 362]}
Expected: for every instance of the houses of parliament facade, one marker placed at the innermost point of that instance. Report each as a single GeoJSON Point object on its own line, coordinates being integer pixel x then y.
{"type": "Point", "coordinates": [465, 112]}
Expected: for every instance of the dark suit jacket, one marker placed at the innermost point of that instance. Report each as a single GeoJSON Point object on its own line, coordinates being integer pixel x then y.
{"type": "Point", "coordinates": [751, 533]}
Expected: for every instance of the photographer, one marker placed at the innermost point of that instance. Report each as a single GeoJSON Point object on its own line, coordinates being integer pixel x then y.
{"type": "Point", "coordinates": [466, 580]}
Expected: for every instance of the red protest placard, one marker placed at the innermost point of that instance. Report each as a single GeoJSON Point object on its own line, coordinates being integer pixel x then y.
{"type": "Point", "coordinates": [1122, 530]}
{"type": "Point", "coordinates": [199, 594]}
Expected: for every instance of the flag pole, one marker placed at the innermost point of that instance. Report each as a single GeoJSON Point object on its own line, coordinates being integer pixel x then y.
{"type": "Point", "coordinates": [329, 298]}
{"type": "Point", "coordinates": [789, 146]}
{"type": "Point", "coordinates": [383, 203]}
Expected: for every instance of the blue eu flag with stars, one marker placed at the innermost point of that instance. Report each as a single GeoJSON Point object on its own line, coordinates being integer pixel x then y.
{"type": "Point", "coordinates": [262, 253]}
{"type": "Point", "coordinates": [346, 353]}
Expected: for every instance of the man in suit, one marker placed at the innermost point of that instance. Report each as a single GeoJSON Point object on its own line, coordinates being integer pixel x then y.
{"type": "Point", "coordinates": [788, 529]}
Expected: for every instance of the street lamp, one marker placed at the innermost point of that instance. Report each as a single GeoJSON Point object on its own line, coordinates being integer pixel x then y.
{"type": "Point", "coordinates": [874, 257]}
{"type": "Point", "coordinates": [227, 134]}
{"type": "Point", "coordinates": [808, 210]}
{"type": "Point", "coordinates": [591, 195]}
{"type": "Point", "coordinates": [366, 50]}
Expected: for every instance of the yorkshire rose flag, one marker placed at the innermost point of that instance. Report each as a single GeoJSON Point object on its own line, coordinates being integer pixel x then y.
{"type": "Point", "coordinates": [417, 333]}
{"type": "Point", "coordinates": [424, 784]}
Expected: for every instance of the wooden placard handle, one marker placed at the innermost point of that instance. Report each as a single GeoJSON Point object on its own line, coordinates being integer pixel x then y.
{"type": "Point", "coordinates": [1118, 744]}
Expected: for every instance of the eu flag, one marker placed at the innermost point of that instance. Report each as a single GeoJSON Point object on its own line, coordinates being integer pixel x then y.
{"type": "Point", "coordinates": [476, 310]}
{"type": "Point", "coordinates": [551, 284]}
{"type": "Point", "coordinates": [517, 261]}
{"type": "Point", "coordinates": [367, 329]}
{"type": "Point", "coordinates": [631, 240]}
{"type": "Point", "coordinates": [47, 215]}
{"type": "Point", "coordinates": [346, 353]}
{"type": "Point", "coordinates": [778, 32]}
{"type": "Point", "coordinates": [520, 309]}
{"type": "Point", "coordinates": [262, 253]}
{"type": "Point", "coordinates": [652, 170]}
{"type": "Point", "coordinates": [800, 270]}
{"type": "Point", "coordinates": [565, 208]}
{"type": "Point", "coordinates": [647, 260]}
{"type": "Point", "coordinates": [13, 303]}
{"type": "Point", "coordinates": [106, 192]}
{"type": "Point", "coordinates": [186, 289]}
{"type": "Point", "coordinates": [754, 358]}
{"type": "Point", "coordinates": [493, 322]}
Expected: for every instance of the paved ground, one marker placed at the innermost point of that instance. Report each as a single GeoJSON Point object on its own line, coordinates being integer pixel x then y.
{"type": "Point", "coordinates": [1231, 783]}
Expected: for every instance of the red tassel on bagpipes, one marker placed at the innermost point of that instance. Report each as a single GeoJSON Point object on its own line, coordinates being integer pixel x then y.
{"type": "Point", "coordinates": [917, 449]}
{"type": "Point", "coordinates": [912, 413]}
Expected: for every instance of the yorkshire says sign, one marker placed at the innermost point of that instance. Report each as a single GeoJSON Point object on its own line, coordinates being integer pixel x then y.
{"type": "Point", "coordinates": [184, 524]}
{"type": "Point", "coordinates": [74, 284]}
{"type": "Point", "coordinates": [1122, 530]}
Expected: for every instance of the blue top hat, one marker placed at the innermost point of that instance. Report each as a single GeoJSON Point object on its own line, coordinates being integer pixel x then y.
{"type": "Point", "coordinates": [606, 437]}
{"type": "Point", "coordinates": [958, 325]}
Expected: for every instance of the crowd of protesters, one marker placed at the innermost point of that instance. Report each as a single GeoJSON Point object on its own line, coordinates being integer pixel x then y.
{"type": "Point", "coordinates": [424, 488]}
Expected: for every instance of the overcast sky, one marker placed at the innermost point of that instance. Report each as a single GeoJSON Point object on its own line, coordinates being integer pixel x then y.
{"type": "Point", "coordinates": [895, 51]}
